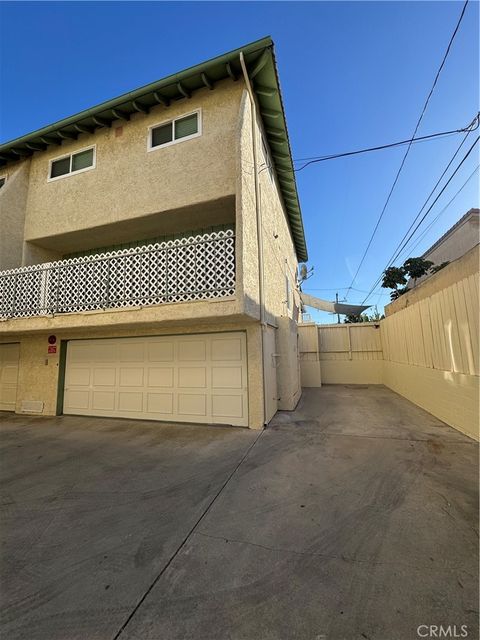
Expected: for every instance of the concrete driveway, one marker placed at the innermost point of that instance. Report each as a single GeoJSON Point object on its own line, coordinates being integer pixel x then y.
{"type": "Point", "coordinates": [353, 517]}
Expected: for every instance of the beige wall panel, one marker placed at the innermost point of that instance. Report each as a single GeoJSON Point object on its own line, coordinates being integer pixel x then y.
{"type": "Point", "coordinates": [352, 372]}
{"type": "Point", "coordinates": [310, 373]}
{"type": "Point", "coordinates": [333, 339]}
{"type": "Point", "coordinates": [365, 338]}
{"type": "Point", "coordinates": [451, 397]}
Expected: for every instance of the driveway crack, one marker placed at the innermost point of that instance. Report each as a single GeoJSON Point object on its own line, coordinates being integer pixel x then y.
{"type": "Point", "coordinates": [325, 555]}
{"type": "Point", "coordinates": [187, 537]}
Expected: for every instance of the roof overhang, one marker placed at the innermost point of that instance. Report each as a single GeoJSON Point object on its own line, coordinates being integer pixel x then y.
{"type": "Point", "coordinates": [260, 62]}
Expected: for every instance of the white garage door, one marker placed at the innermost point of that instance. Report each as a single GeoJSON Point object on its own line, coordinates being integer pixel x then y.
{"type": "Point", "coordinates": [8, 376]}
{"type": "Point", "coordinates": [187, 378]}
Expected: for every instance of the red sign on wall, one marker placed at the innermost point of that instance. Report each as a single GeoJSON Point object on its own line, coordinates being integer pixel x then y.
{"type": "Point", "coordinates": [52, 349]}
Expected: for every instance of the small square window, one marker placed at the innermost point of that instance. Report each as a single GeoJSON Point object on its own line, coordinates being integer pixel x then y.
{"type": "Point", "coordinates": [187, 126]}
{"type": "Point", "coordinates": [82, 160]}
{"type": "Point", "coordinates": [162, 135]}
{"type": "Point", "coordinates": [60, 167]}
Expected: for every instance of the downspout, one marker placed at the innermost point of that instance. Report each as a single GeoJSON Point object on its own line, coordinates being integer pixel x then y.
{"type": "Point", "coordinates": [261, 288]}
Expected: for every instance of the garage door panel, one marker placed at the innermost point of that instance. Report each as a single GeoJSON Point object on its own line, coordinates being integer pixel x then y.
{"type": "Point", "coordinates": [160, 377]}
{"type": "Point", "coordinates": [160, 403]}
{"type": "Point", "coordinates": [79, 377]}
{"type": "Point", "coordinates": [227, 349]}
{"type": "Point", "coordinates": [160, 351]}
{"type": "Point", "coordinates": [227, 378]}
{"type": "Point", "coordinates": [227, 406]}
{"type": "Point", "coordinates": [194, 378]}
{"type": "Point", "coordinates": [103, 401]}
{"type": "Point", "coordinates": [190, 404]}
{"type": "Point", "coordinates": [104, 377]}
{"type": "Point", "coordinates": [132, 352]}
{"type": "Point", "coordinates": [192, 350]}
{"type": "Point", "coordinates": [75, 399]}
{"type": "Point", "coordinates": [130, 401]}
{"type": "Point", "coordinates": [9, 356]}
{"type": "Point", "coordinates": [9, 374]}
{"type": "Point", "coordinates": [131, 377]}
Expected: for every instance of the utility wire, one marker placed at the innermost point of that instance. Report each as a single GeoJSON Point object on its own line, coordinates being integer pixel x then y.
{"type": "Point", "coordinates": [427, 229]}
{"type": "Point", "coordinates": [334, 156]}
{"type": "Point", "coordinates": [410, 143]}
{"type": "Point", "coordinates": [398, 250]}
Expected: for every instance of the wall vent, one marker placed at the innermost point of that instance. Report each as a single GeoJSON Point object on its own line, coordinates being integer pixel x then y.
{"type": "Point", "coordinates": [31, 406]}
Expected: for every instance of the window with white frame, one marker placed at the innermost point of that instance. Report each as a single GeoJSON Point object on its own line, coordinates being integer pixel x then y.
{"type": "Point", "coordinates": [3, 179]}
{"type": "Point", "coordinates": [177, 130]}
{"type": "Point", "coordinates": [77, 162]}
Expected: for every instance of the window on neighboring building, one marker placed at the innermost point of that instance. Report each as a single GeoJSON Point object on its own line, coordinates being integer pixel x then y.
{"type": "Point", "coordinates": [3, 179]}
{"type": "Point", "coordinates": [73, 163]}
{"type": "Point", "coordinates": [176, 130]}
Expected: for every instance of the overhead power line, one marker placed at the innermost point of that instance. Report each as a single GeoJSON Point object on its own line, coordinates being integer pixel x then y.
{"type": "Point", "coordinates": [430, 225]}
{"type": "Point", "coordinates": [427, 229]}
{"type": "Point", "coordinates": [334, 156]}
{"type": "Point", "coordinates": [397, 176]}
{"type": "Point", "coordinates": [398, 250]}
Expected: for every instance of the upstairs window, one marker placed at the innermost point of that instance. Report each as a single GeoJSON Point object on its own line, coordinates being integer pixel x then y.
{"type": "Point", "coordinates": [77, 162]}
{"type": "Point", "coordinates": [177, 130]}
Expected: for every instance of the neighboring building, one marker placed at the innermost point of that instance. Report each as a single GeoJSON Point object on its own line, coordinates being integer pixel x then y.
{"type": "Point", "coordinates": [455, 243]}
{"type": "Point", "coordinates": [150, 248]}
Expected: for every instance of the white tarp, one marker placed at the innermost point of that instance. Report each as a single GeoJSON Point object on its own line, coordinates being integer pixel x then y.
{"type": "Point", "coordinates": [333, 307]}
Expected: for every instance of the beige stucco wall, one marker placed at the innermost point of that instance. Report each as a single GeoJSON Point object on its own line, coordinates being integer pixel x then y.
{"type": "Point", "coordinates": [13, 202]}
{"type": "Point", "coordinates": [38, 375]}
{"type": "Point", "coordinates": [129, 182]}
{"type": "Point", "coordinates": [279, 258]}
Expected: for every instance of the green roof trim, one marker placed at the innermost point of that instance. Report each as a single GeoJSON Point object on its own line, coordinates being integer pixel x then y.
{"type": "Point", "coordinates": [262, 69]}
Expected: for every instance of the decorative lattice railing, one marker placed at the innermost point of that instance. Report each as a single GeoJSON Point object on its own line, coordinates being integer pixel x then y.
{"type": "Point", "coordinates": [193, 268]}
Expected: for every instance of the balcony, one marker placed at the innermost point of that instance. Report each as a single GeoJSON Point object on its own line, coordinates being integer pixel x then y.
{"type": "Point", "coordinates": [197, 267]}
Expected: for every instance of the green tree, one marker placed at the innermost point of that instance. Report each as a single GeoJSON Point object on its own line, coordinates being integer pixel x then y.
{"type": "Point", "coordinates": [393, 277]}
{"type": "Point", "coordinates": [416, 268]}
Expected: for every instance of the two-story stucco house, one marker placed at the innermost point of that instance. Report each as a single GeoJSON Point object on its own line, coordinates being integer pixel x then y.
{"type": "Point", "coordinates": [149, 251]}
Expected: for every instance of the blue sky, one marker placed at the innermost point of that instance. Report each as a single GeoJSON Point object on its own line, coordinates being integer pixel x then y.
{"type": "Point", "coordinates": [353, 75]}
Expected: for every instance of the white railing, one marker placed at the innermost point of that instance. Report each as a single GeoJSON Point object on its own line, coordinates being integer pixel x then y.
{"type": "Point", "coordinates": [193, 268]}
